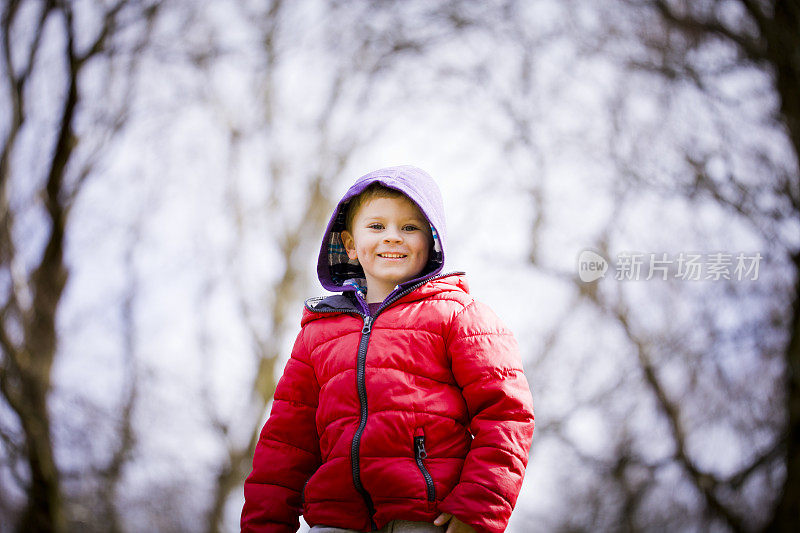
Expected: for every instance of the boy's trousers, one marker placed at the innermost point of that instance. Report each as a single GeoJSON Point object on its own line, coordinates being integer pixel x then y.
{"type": "Point", "coordinates": [395, 526]}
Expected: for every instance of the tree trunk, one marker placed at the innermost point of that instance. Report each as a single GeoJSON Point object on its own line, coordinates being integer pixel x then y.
{"type": "Point", "coordinates": [786, 516]}
{"type": "Point", "coordinates": [783, 50]}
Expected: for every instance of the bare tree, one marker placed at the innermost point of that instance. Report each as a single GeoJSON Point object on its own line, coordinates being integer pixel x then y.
{"type": "Point", "coordinates": [764, 36]}
{"type": "Point", "coordinates": [34, 271]}
{"type": "Point", "coordinates": [682, 50]}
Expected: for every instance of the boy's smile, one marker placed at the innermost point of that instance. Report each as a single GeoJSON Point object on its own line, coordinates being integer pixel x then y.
{"type": "Point", "coordinates": [391, 239]}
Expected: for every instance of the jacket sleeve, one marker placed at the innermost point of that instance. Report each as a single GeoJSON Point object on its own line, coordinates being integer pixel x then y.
{"type": "Point", "coordinates": [488, 368]}
{"type": "Point", "coordinates": [287, 452]}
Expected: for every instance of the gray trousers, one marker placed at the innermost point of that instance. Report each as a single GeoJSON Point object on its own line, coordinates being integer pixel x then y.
{"type": "Point", "coordinates": [395, 526]}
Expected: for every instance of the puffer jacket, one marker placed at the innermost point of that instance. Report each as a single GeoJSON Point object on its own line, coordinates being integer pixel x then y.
{"type": "Point", "coordinates": [419, 409]}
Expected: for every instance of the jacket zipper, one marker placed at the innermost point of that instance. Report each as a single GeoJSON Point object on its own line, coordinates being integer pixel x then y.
{"type": "Point", "coordinates": [361, 386]}
{"type": "Point", "coordinates": [419, 455]}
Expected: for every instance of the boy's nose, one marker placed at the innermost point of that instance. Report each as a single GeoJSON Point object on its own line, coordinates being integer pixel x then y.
{"type": "Point", "coordinates": [392, 235]}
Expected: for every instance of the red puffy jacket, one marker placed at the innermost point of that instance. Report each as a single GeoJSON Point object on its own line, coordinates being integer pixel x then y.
{"type": "Point", "coordinates": [419, 410]}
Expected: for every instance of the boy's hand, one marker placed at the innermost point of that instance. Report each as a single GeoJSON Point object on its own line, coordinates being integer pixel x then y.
{"type": "Point", "coordinates": [455, 525]}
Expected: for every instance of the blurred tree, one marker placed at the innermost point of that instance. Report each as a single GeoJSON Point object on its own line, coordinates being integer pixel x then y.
{"type": "Point", "coordinates": [700, 111]}
{"type": "Point", "coordinates": [49, 56]}
{"type": "Point", "coordinates": [763, 37]}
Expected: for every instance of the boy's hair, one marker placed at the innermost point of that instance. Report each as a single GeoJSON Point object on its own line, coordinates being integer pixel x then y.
{"type": "Point", "coordinates": [374, 190]}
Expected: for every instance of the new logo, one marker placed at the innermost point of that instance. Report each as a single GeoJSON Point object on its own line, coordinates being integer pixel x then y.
{"type": "Point", "coordinates": [591, 266]}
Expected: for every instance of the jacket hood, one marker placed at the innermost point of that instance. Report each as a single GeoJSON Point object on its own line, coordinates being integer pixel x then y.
{"type": "Point", "coordinates": [337, 272]}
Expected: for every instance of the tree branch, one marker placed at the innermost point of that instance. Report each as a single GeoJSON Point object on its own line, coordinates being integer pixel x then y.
{"type": "Point", "coordinates": [705, 483]}
{"type": "Point", "coordinates": [99, 44]}
{"type": "Point", "coordinates": [752, 48]}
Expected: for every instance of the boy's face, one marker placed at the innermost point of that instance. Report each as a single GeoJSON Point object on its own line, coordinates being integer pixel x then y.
{"type": "Point", "coordinates": [391, 239]}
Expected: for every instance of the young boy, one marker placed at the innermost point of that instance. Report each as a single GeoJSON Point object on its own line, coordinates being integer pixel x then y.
{"type": "Point", "coordinates": [403, 406]}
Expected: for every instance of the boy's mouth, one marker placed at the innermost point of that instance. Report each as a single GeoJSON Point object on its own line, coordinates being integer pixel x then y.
{"type": "Point", "coordinates": [391, 256]}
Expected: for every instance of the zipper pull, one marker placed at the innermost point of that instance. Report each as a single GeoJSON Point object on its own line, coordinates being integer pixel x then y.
{"type": "Point", "coordinates": [367, 325]}
{"type": "Point", "coordinates": [420, 442]}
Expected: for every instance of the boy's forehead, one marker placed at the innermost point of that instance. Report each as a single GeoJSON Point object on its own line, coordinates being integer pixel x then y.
{"type": "Point", "coordinates": [384, 205]}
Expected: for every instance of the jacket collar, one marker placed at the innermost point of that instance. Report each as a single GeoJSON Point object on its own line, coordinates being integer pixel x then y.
{"type": "Point", "coordinates": [347, 303]}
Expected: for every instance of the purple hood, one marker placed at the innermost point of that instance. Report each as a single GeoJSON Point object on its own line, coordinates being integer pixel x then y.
{"type": "Point", "coordinates": [334, 268]}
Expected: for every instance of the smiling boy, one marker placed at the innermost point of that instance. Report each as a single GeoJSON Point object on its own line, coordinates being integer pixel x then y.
{"type": "Point", "coordinates": [404, 406]}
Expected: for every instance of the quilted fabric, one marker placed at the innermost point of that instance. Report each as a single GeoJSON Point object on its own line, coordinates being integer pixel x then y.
{"type": "Point", "coordinates": [441, 370]}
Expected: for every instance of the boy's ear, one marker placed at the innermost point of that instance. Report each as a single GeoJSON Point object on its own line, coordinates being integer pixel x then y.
{"type": "Point", "coordinates": [349, 244]}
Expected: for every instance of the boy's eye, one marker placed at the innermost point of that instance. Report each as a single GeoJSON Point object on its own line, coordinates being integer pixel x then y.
{"type": "Point", "coordinates": [375, 225]}
{"type": "Point", "coordinates": [410, 227]}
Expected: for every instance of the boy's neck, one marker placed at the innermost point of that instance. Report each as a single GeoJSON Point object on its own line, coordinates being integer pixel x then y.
{"type": "Point", "coordinates": [378, 294]}
{"type": "Point", "coordinates": [376, 300]}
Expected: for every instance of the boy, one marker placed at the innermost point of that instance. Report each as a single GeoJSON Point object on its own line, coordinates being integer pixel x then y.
{"type": "Point", "coordinates": [403, 406]}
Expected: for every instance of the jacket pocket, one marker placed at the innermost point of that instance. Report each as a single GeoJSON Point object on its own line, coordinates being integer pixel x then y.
{"type": "Point", "coordinates": [419, 455]}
